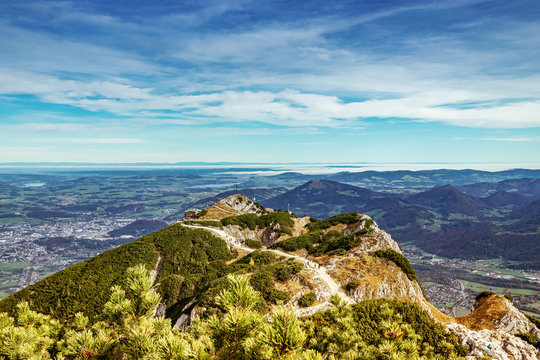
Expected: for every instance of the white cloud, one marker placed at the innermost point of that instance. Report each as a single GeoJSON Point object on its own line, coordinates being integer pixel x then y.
{"type": "Point", "coordinates": [53, 127]}
{"type": "Point", "coordinates": [100, 140]}
{"type": "Point", "coordinates": [440, 78]}
{"type": "Point", "coordinates": [511, 139]}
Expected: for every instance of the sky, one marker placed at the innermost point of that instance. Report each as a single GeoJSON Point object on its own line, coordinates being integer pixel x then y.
{"type": "Point", "coordinates": [270, 81]}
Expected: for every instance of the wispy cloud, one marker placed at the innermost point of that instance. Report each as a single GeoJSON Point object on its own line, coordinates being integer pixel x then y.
{"type": "Point", "coordinates": [511, 139]}
{"type": "Point", "coordinates": [116, 141]}
{"type": "Point", "coordinates": [99, 67]}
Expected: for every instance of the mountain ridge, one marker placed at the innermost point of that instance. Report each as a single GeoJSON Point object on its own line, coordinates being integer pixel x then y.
{"type": "Point", "coordinates": [346, 254]}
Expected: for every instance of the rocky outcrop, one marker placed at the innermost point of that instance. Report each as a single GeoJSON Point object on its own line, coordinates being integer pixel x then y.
{"type": "Point", "coordinates": [495, 312]}
{"type": "Point", "coordinates": [496, 344]}
{"type": "Point", "coordinates": [267, 236]}
{"type": "Point", "coordinates": [377, 240]}
{"type": "Point", "coordinates": [233, 205]}
{"type": "Point", "coordinates": [489, 330]}
{"type": "Point", "coordinates": [514, 322]}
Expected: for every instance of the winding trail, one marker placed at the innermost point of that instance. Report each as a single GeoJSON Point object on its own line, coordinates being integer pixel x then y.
{"type": "Point", "coordinates": [320, 270]}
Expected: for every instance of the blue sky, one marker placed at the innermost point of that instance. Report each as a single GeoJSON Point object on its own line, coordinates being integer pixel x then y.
{"type": "Point", "coordinates": [270, 81]}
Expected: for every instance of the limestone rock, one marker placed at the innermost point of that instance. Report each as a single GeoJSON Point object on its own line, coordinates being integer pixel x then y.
{"type": "Point", "coordinates": [495, 343]}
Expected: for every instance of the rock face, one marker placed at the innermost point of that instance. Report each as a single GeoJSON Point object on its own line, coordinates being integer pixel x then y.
{"type": "Point", "coordinates": [495, 312]}
{"type": "Point", "coordinates": [494, 343]}
{"type": "Point", "coordinates": [266, 236]}
{"type": "Point", "coordinates": [489, 330]}
{"type": "Point", "coordinates": [237, 204]}
{"type": "Point", "coordinates": [514, 322]}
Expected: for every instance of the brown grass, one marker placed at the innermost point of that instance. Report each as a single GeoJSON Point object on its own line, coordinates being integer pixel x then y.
{"type": "Point", "coordinates": [487, 312]}
{"type": "Point", "coordinates": [298, 229]}
{"type": "Point", "coordinates": [218, 214]}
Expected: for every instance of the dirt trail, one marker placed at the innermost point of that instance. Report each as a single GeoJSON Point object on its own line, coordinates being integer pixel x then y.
{"type": "Point", "coordinates": [319, 269]}
{"type": "Point", "coordinates": [322, 274]}
{"type": "Point", "coordinates": [154, 271]}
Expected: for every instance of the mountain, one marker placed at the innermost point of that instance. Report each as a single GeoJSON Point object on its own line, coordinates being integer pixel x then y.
{"type": "Point", "coordinates": [441, 220]}
{"type": "Point", "coordinates": [138, 228]}
{"type": "Point", "coordinates": [195, 267]}
{"type": "Point", "coordinates": [529, 187]}
{"type": "Point", "coordinates": [411, 180]}
{"type": "Point", "coordinates": [447, 200]}
{"type": "Point", "coordinates": [322, 198]}
{"type": "Point", "coordinates": [257, 194]}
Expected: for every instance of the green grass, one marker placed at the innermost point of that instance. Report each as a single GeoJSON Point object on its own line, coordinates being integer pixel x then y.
{"type": "Point", "coordinates": [507, 272]}
{"type": "Point", "coordinates": [478, 287]}
{"type": "Point", "coordinates": [11, 266]}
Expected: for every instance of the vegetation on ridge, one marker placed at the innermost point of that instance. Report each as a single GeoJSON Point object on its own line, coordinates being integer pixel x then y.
{"type": "Point", "coordinates": [317, 242]}
{"type": "Point", "coordinates": [378, 329]}
{"type": "Point", "coordinates": [188, 258]}
{"type": "Point", "coordinates": [348, 218]}
{"type": "Point", "coordinates": [403, 264]}
{"type": "Point", "coordinates": [251, 221]}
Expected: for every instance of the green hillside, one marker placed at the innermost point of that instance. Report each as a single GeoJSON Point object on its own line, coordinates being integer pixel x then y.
{"type": "Point", "coordinates": [188, 255]}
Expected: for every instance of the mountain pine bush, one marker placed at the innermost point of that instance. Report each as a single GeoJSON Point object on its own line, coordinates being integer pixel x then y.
{"type": "Point", "coordinates": [129, 330]}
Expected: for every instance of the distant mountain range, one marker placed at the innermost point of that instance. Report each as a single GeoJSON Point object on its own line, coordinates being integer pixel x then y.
{"type": "Point", "coordinates": [486, 220]}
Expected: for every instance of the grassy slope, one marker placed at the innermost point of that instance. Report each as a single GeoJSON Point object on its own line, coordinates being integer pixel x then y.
{"type": "Point", "coordinates": [86, 286]}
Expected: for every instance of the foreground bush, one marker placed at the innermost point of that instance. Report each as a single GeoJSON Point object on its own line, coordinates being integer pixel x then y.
{"type": "Point", "coordinates": [129, 330]}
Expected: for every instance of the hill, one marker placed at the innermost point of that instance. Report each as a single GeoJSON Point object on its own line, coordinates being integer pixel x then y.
{"type": "Point", "coordinates": [504, 198]}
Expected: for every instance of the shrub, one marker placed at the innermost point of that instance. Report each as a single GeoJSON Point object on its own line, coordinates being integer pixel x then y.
{"type": "Point", "coordinates": [484, 294]}
{"type": "Point", "coordinates": [399, 260]}
{"type": "Point", "coordinates": [341, 242]}
{"type": "Point", "coordinates": [244, 221]}
{"type": "Point", "coordinates": [353, 284]}
{"type": "Point", "coordinates": [348, 218]}
{"type": "Point", "coordinates": [251, 221]}
{"type": "Point", "coordinates": [307, 299]}
{"type": "Point", "coordinates": [201, 213]}
{"type": "Point", "coordinates": [259, 258]}
{"type": "Point", "coordinates": [254, 244]}
{"type": "Point", "coordinates": [285, 272]}
{"type": "Point", "coordinates": [370, 324]}
{"type": "Point", "coordinates": [509, 297]}
{"type": "Point", "coordinates": [170, 288]}
{"type": "Point", "coordinates": [304, 241]}
{"type": "Point", "coordinates": [282, 218]}
{"type": "Point", "coordinates": [368, 223]}
{"type": "Point", "coordinates": [331, 234]}
{"type": "Point", "coordinates": [318, 244]}
{"type": "Point", "coordinates": [286, 230]}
